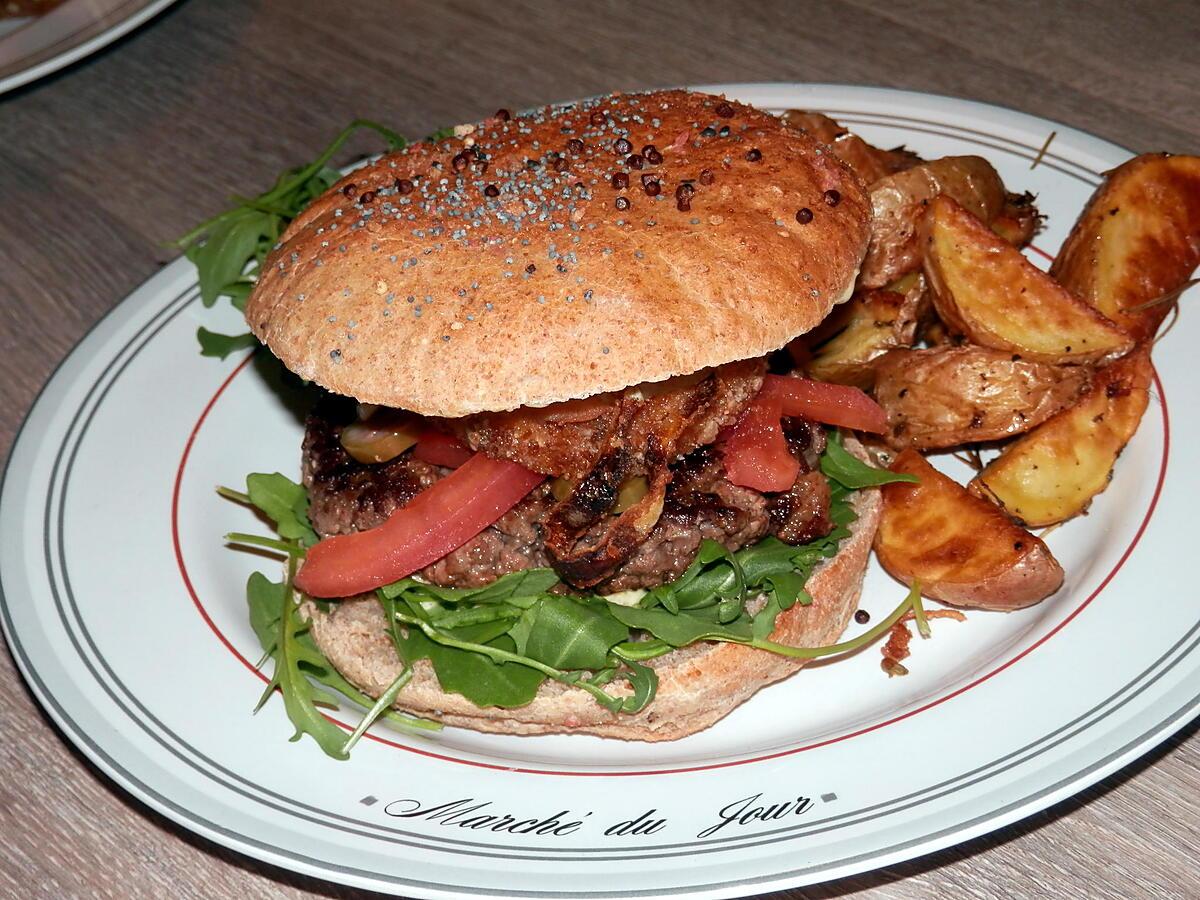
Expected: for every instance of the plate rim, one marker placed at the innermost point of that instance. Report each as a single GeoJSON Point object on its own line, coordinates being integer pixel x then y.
{"type": "Point", "coordinates": [80, 44]}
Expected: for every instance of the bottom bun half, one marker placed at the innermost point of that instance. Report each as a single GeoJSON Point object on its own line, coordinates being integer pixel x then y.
{"type": "Point", "coordinates": [698, 685]}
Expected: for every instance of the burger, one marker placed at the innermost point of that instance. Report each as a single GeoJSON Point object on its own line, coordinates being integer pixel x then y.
{"type": "Point", "coordinates": [563, 480]}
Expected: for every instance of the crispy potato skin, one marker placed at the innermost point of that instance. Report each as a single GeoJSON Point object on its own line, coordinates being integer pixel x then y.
{"type": "Point", "coordinates": [984, 288]}
{"type": "Point", "coordinates": [1137, 240]}
{"type": "Point", "coordinates": [868, 325]}
{"type": "Point", "coordinates": [899, 201]}
{"type": "Point", "coordinates": [1053, 472]}
{"type": "Point", "coordinates": [947, 396]}
{"type": "Point", "coordinates": [869, 163]}
{"type": "Point", "coordinates": [963, 550]}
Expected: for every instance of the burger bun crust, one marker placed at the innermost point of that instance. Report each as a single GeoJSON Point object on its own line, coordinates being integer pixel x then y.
{"type": "Point", "coordinates": [505, 268]}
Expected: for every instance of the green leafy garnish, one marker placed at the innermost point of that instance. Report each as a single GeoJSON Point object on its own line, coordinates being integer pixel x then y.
{"type": "Point", "coordinates": [382, 707]}
{"type": "Point", "coordinates": [520, 588]}
{"type": "Point", "coordinates": [681, 629]}
{"type": "Point", "coordinates": [567, 633]}
{"type": "Point", "coordinates": [221, 345]}
{"type": "Point", "coordinates": [289, 548]}
{"type": "Point", "coordinates": [285, 503]}
{"type": "Point", "coordinates": [501, 651]}
{"type": "Point", "coordinates": [229, 249]}
{"type": "Point", "coordinates": [467, 661]}
{"type": "Point", "coordinates": [285, 639]}
{"type": "Point", "coordinates": [911, 602]}
{"type": "Point", "coordinates": [919, 610]}
{"type": "Point", "coordinates": [497, 644]}
{"type": "Point", "coordinates": [529, 636]}
{"type": "Point", "coordinates": [293, 658]}
{"type": "Point", "coordinates": [852, 473]}
{"type": "Point", "coordinates": [441, 134]}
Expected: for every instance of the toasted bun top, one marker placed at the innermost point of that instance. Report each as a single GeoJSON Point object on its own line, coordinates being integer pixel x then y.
{"type": "Point", "coordinates": [506, 267]}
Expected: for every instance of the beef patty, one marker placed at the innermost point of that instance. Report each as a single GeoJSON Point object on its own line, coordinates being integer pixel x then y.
{"type": "Point", "coordinates": [346, 496]}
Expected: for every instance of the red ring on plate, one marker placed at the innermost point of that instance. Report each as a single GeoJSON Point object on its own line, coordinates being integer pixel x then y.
{"type": "Point", "coordinates": [737, 762]}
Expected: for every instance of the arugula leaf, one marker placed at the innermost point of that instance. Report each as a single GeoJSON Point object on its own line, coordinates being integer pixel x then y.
{"type": "Point", "coordinates": [849, 471]}
{"type": "Point", "coordinates": [783, 592]}
{"type": "Point", "coordinates": [273, 616]}
{"type": "Point", "coordinates": [229, 249]}
{"type": "Point", "coordinates": [638, 651]}
{"type": "Point", "coordinates": [265, 599]}
{"type": "Point", "coordinates": [918, 610]}
{"type": "Point", "coordinates": [520, 588]}
{"type": "Point", "coordinates": [769, 567]}
{"type": "Point", "coordinates": [479, 678]}
{"type": "Point", "coordinates": [516, 587]}
{"type": "Point", "coordinates": [300, 697]}
{"type": "Point", "coordinates": [911, 602]}
{"type": "Point", "coordinates": [381, 707]}
{"type": "Point", "coordinates": [287, 548]}
{"type": "Point", "coordinates": [644, 681]}
{"type": "Point", "coordinates": [461, 617]}
{"type": "Point", "coordinates": [230, 245]}
{"type": "Point", "coordinates": [522, 628]}
{"type": "Point", "coordinates": [714, 576]}
{"type": "Point", "coordinates": [238, 291]}
{"type": "Point", "coordinates": [768, 557]}
{"type": "Point", "coordinates": [680, 629]}
{"type": "Point", "coordinates": [570, 634]}
{"type": "Point", "coordinates": [284, 502]}
{"type": "Point", "coordinates": [219, 345]}
{"type": "Point", "coordinates": [501, 651]}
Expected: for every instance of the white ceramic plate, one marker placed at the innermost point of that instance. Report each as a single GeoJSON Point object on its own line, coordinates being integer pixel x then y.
{"type": "Point", "coordinates": [125, 613]}
{"type": "Point", "coordinates": [33, 47]}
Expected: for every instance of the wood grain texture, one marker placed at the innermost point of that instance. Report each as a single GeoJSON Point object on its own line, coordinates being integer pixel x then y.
{"type": "Point", "coordinates": [104, 162]}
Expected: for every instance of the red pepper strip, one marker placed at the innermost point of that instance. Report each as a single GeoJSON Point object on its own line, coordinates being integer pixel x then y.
{"type": "Point", "coordinates": [833, 404]}
{"type": "Point", "coordinates": [755, 452]}
{"type": "Point", "coordinates": [438, 520]}
{"type": "Point", "coordinates": [441, 449]}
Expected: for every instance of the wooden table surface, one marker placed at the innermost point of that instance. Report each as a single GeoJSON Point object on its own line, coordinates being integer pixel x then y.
{"type": "Point", "coordinates": [102, 163]}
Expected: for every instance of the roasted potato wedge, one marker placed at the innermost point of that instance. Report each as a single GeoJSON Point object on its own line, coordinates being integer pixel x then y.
{"type": "Point", "coordinates": [1018, 220]}
{"type": "Point", "coordinates": [962, 549]}
{"type": "Point", "coordinates": [869, 163]}
{"type": "Point", "coordinates": [948, 396]}
{"type": "Point", "coordinates": [899, 200]}
{"type": "Point", "coordinates": [872, 322]}
{"type": "Point", "coordinates": [1137, 240]}
{"type": "Point", "coordinates": [1053, 472]}
{"type": "Point", "coordinates": [985, 289]}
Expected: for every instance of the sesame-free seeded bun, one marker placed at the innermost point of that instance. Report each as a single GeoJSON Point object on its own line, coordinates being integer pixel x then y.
{"type": "Point", "coordinates": [579, 249]}
{"type": "Point", "coordinates": [698, 685]}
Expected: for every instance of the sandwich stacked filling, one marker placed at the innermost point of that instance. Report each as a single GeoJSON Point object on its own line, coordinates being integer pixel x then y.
{"type": "Point", "coordinates": [596, 457]}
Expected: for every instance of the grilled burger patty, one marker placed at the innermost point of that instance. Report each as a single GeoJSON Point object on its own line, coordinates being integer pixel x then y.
{"type": "Point", "coordinates": [346, 496]}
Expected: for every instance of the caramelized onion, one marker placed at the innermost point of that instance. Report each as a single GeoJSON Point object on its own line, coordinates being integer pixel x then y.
{"type": "Point", "coordinates": [562, 488]}
{"type": "Point", "coordinates": [378, 439]}
{"type": "Point", "coordinates": [632, 490]}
